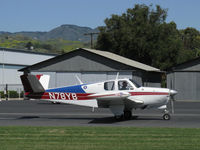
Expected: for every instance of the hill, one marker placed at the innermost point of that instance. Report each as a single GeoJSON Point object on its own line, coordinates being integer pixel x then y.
{"type": "Point", "coordinates": [65, 32]}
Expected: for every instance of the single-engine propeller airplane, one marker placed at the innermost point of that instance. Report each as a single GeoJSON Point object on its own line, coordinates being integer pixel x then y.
{"type": "Point", "coordinates": [121, 96]}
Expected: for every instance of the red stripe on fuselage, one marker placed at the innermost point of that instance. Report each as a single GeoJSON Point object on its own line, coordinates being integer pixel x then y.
{"type": "Point", "coordinates": [148, 93]}
{"type": "Point", "coordinates": [66, 96]}
{"type": "Point", "coordinates": [82, 96]}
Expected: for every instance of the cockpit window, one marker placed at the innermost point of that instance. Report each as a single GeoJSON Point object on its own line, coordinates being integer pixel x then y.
{"type": "Point", "coordinates": [135, 83]}
{"type": "Point", "coordinates": [124, 85]}
{"type": "Point", "coordinates": [109, 86]}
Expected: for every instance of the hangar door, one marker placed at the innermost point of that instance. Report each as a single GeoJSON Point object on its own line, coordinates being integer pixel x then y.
{"type": "Point", "coordinates": [187, 84]}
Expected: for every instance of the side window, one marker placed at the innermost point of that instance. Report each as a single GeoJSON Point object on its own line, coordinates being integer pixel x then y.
{"type": "Point", "coordinates": [124, 85]}
{"type": "Point", "coordinates": [109, 86]}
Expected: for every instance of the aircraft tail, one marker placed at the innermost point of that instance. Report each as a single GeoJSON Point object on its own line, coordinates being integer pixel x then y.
{"type": "Point", "coordinates": [44, 80]}
{"type": "Point", "coordinates": [35, 83]}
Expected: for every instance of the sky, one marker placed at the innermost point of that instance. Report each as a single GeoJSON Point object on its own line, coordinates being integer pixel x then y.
{"type": "Point", "coordinates": [44, 15]}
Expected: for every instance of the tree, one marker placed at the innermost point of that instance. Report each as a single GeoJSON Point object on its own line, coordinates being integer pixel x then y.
{"type": "Point", "coordinates": [143, 35]}
{"type": "Point", "coordinates": [29, 46]}
{"type": "Point", "coordinates": [190, 38]}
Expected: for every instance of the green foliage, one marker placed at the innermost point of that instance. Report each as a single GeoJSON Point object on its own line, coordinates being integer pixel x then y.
{"type": "Point", "coordinates": [22, 94]}
{"type": "Point", "coordinates": [29, 45]}
{"type": "Point", "coordinates": [191, 44]}
{"type": "Point", "coordinates": [142, 34]}
{"type": "Point", "coordinates": [49, 46]}
{"type": "Point", "coordinates": [2, 94]}
{"type": "Point", "coordinates": [13, 94]}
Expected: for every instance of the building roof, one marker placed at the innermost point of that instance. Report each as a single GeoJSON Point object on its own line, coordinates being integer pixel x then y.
{"type": "Point", "coordinates": [105, 54]}
{"type": "Point", "coordinates": [26, 51]}
{"type": "Point", "coordinates": [21, 58]}
{"type": "Point", "coordinates": [190, 65]}
{"type": "Point", "coordinates": [123, 60]}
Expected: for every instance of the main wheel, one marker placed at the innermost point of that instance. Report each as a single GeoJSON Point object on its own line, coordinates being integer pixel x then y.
{"type": "Point", "coordinates": [127, 115]}
{"type": "Point", "coordinates": [55, 102]}
{"type": "Point", "coordinates": [118, 117]}
{"type": "Point", "coordinates": [166, 117]}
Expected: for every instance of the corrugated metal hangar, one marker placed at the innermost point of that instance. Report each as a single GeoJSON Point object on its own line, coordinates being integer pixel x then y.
{"type": "Point", "coordinates": [93, 66]}
{"type": "Point", "coordinates": [185, 78]}
{"type": "Point", "coordinates": [11, 60]}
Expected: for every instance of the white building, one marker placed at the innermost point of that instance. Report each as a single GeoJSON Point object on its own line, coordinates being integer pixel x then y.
{"type": "Point", "coordinates": [11, 60]}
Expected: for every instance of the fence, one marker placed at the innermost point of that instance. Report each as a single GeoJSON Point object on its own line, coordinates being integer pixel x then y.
{"type": "Point", "coordinates": [9, 91]}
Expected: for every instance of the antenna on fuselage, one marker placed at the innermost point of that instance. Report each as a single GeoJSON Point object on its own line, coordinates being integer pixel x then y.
{"type": "Point", "coordinates": [79, 80]}
{"type": "Point", "coordinates": [117, 76]}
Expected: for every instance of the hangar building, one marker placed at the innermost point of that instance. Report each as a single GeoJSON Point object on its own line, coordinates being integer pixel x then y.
{"type": "Point", "coordinates": [185, 78]}
{"type": "Point", "coordinates": [93, 66]}
{"type": "Point", "coordinates": [11, 60]}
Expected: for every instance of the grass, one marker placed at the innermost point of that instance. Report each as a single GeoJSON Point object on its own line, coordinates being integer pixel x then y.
{"type": "Point", "coordinates": [98, 138]}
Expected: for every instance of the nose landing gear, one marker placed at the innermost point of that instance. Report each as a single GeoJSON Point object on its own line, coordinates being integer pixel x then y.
{"type": "Point", "coordinates": [166, 115]}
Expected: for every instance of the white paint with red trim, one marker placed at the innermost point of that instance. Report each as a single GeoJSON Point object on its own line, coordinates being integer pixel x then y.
{"type": "Point", "coordinates": [44, 80]}
{"type": "Point", "coordinates": [107, 94]}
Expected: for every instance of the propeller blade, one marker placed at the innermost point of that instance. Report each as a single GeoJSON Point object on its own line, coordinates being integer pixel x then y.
{"type": "Point", "coordinates": [172, 94]}
{"type": "Point", "coordinates": [172, 104]}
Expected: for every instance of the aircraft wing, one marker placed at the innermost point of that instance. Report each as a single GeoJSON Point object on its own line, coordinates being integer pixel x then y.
{"type": "Point", "coordinates": [108, 99]}
{"type": "Point", "coordinates": [134, 100]}
{"type": "Point", "coordinates": [116, 101]}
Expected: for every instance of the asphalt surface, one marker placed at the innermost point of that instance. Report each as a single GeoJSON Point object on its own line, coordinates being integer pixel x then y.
{"type": "Point", "coordinates": [41, 113]}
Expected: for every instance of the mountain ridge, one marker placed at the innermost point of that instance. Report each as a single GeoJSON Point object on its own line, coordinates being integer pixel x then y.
{"type": "Point", "coordinates": [66, 31]}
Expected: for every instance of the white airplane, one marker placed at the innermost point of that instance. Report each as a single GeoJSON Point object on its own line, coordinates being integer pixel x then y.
{"type": "Point", "coordinates": [121, 96]}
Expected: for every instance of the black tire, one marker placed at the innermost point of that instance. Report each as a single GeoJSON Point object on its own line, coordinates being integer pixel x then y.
{"type": "Point", "coordinates": [55, 102]}
{"type": "Point", "coordinates": [127, 115]}
{"type": "Point", "coordinates": [166, 117]}
{"type": "Point", "coordinates": [118, 117]}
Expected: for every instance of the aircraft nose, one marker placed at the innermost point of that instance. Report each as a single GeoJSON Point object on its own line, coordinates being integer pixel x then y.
{"type": "Point", "coordinates": [173, 92]}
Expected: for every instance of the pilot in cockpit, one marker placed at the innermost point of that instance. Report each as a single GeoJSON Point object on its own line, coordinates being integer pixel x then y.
{"type": "Point", "coordinates": [123, 85]}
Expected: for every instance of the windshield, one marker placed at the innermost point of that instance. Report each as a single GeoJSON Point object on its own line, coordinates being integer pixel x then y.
{"type": "Point", "coordinates": [124, 85]}
{"type": "Point", "coordinates": [135, 83]}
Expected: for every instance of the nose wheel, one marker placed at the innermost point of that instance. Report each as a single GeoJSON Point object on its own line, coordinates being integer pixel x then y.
{"type": "Point", "coordinates": [166, 115]}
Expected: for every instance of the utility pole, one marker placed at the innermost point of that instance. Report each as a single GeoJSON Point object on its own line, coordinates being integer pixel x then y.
{"type": "Point", "coordinates": [3, 66]}
{"type": "Point", "coordinates": [91, 38]}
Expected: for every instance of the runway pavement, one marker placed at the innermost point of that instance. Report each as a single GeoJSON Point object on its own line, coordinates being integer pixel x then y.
{"type": "Point", "coordinates": [41, 113]}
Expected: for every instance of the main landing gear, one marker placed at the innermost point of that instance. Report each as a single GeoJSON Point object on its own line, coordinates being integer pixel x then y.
{"type": "Point", "coordinates": [127, 115]}
{"type": "Point", "coordinates": [166, 115]}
